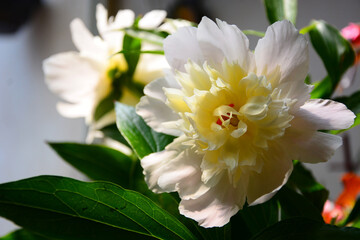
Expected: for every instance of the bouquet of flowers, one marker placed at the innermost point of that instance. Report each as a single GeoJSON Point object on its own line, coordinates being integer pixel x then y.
{"type": "Point", "coordinates": [192, 135]}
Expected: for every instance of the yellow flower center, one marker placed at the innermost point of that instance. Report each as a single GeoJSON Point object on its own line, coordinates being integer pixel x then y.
{"type": "Point", "coordinates": [232, 116]}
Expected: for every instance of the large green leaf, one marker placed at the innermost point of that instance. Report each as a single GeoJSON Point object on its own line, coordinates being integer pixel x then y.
{"type": "Point", "coordinates": [292, 204]}
{"type": "Point", "coordinates": [140, 136]}
{"type": "Point", "coordinates": [98, 162]}
{"type": "Point", "coordinates": [64, 208]}
{"type": "Point", "coordinates": [304, 228]}
{"type": "Point", "coordinates": [252, 219]}
{"type": "Point", "coordinates": [23, 234]}
{"type": "Point", "coordinates": [302, 180]}
{"type": "Point", "coordinates": [286, 204]}
{"type": "Point", "coordinates": [336, 54]}
{"type": "Point", "coordinates": [103, 163]}
{"type": "Point", "coordinates": [277, 10]}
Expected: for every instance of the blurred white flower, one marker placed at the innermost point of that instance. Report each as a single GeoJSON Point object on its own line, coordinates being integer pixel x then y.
{"type": "Point", "coordinates": [241, 118]}
{"type": "Point", "coordinates": [83, 78]}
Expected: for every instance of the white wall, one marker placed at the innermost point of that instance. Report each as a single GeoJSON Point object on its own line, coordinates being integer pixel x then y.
{"type": "Point", "coordinates": [27, 109]}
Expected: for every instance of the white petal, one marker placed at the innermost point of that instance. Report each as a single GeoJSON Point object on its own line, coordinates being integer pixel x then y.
{"type": "Point", "coordinates": [311, 147]}
{"type": "Point", "coordinates": [152, 19]}
{"type": "Point", "coordinates": [155, 88]}
{"type": "Point", "coordinates": [214, 208]}
{"type": "Point", "coordinates": [182, 46]}
{"type": "Point", "coordinates": [152, 107]}
{"type": "Point", "coordinates": [153, 166]}
{"type": "Point", "coordinates": [273, 175]}
{"type": "Point", "coordinates": [236, 48]}
{"type": "Point", "coordinates": [123, 19]}
{"type": "Point", "coordinates": [325, 115]}
{"type": "Point", "coordinates": [183, 174]}
{"type": "Point", "coordinates": [283, 48]}
{"type": "Point", "coordinates": [223, 41]}
{"type": "Point", "coordinates": [86, 43]}
{"type": "Point", "coordinates": [109, 29]}
{"type": "Point", "coordinates": [74, 110]}
{"type": "Point", "coordinates": [172, 25]}
{"type": "Point", "coordinates": [73, 77]}
{"type": "Point", "coordinates": [101, 18]}
{"type": "Point", "coordinates": [174, 169]}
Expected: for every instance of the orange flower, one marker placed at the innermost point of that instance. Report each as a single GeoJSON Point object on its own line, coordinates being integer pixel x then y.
{"type": "Point", "coordinates": [351, 190]}
{"type": "Point", "coordinates": [335, 212]}
{"type": "Point", "coordinates": [332, 211]}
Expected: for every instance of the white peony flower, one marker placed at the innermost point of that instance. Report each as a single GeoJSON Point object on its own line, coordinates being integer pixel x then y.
{"type": "Point", "coordinates": [82, 78]}
{"type": "Point", "coordinates": [241, 117]}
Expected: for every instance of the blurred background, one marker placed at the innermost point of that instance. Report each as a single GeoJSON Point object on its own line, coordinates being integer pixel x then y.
{"type": "Point", "coordinates": [32, 30]}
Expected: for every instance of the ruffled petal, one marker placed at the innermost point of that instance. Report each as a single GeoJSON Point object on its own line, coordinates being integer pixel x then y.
{"type": "Point", "coordinates": [221, 40]}
{"type": "Point", "coordinates": [274, 173]}
{"type": "Point", "coordinates": [174, 169]}
{"type": "Point", "coordinates": [86, 43]}
{"type": "Point", "coordinates": [71, 76]}
{"type": "Point", "coordinates": [152, 19]}
{"type": "Point", "coordinates": [321, 114]}
{"type": "Point", "coordinates": [311, 146]}
{"type": "Point", "coordinates": [182, 46]}
{"type": "Point", "coordinates": [152, 107]}
{"type": "Point", "coordinates": [284, 51]}
{"type": "Point", "coordinates": [214, 208]}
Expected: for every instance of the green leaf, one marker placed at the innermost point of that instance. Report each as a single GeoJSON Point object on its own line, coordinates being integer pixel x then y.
{"type": "Point", "coordinates": [131, 48]}
{"type": "Point", "coordinates": [306, 29]}
{"type": "Point", "coordinates": [293, 204]}
{"type": "Point", "coordinates": [98, 162]}
{"type": "Point", "coordinates": [335, 52]}
{"type": "Point", "coordinates": [157, 52]}
{"type": "Point", "coordinates": [353, 103]}
{"type": "Point", "coordinates": [302, 180]}
{"type": "Point", "coordinates": [105, 106]}
{"type": "Point", "coordinates": [118, 80]}
{"type": "Point", "coordinates": [23, 234]}
{"type": "Point", "coordinates": [140, 136]}
{"type": "Point", "coordinates": [252, 219]}
{"type": "Point", "coordinates": [111, 131]}
{"type": "Point", "coordinates": [151, 36]}
{"type": "Point", "coordinates": [64, 208]}
{"type": "Point", "coordinates": [277, 10]}
{"type": "Point", "coordinates": [323, 89]}
{"type": "Point", "coordinates": [354, 216]}
{"type": "Point", "coordinates": [304, 228]}
{"type": "Point", "coordinates": [254, 33]}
